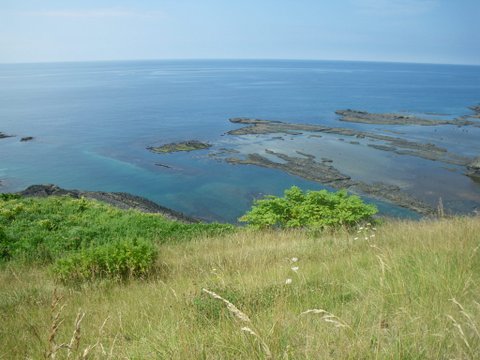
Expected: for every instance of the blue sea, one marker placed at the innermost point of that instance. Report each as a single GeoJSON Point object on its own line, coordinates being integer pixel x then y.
{"type": "Point", "coordinates": [92, 123]}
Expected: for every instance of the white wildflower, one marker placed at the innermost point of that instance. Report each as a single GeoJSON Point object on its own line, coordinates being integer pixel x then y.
{"type": "Point", "coordinates": [294, 259]}
{"type": "Point", "coordinates": [295, 268]}
{"type": "Point", "coordinates": [288, 281]}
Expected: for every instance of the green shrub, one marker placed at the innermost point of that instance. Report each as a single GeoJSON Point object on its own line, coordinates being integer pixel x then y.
{"type": "Point", "coordinates": [119, 261]}
{"type": "Point", "coordinates": [315, 209]}
{"type": "Point", "coordinates": [42, 230]}
{"type": "Point", "coordinates": [9, 196]}
{"type": "Point", "coordinates": [4, 245]}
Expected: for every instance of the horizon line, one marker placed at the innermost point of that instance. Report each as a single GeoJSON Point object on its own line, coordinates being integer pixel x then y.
{"type": "Point", "coordinates": [232, 59]}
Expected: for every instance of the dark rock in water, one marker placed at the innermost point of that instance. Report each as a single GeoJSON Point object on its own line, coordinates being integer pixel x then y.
{"type": "Point", "coordinates": [476, 110]}
{"type": "Point", "coordinates": [307, 167]}
{"type": "Point", "coordinates": [474, 169]}
{"type": "Point", "coordinates": [364, 117]}
{"type": "Point", "coordinates": [27, 138]}
{"type": "Point", "coordinates": [3, 135]}
{"type": "Point", "coordinates": [382, 147]}
{"type": "Point", "coordinates": [118, 199]}
{"type": "Point", "coordinates": [163, 165]}
{"type": "Point", "coordinates": [308, 156]}
{"type": "Point", "coordinates": [180, 146]}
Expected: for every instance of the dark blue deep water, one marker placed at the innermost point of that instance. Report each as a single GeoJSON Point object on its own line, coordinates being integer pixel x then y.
{"type": "Point", "coordinates": [93, 121]}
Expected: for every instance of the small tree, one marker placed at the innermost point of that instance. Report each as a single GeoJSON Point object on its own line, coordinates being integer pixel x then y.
{"type": "Point", "coordinates": [319, 209]}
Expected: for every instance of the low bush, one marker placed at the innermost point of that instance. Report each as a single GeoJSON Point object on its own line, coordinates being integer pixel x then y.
{"type": "Point", "coordinates": [9, 196]}
{"type": "Point", "coordinates": [313, 209]}
{"type": "Point", "coordinates": [4, 245]}
{"type": "Point", "coordinates": [119, 261]}
{"type": "Point", "coordinates": [42, 230]}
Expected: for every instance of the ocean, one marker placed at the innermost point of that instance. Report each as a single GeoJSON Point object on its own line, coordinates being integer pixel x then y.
{"type": "Point", "coordinates": [93, 121]}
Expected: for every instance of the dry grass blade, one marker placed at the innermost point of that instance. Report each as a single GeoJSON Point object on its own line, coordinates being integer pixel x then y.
{"type": "Point", "coordinates": [74, 344]}
{"type": "Point", "coordinates": [75, 340]}
{"type": "Point", "coordinates": [232, 308]}
{"type": "Point", "coordinates": [266, 349]}
{"type": "Point", "coordinates": [56, 322]}
{"type": "Point", "coordinates": [242, 317]}
{"type": "Point", "coordinates": [87, 350]}
{"type": "Point", "coordinates": [471, 322]}
{"type": "Point", "coordinates": [460, 330]}
{"type": "Point", "coordinates": [327, 317]}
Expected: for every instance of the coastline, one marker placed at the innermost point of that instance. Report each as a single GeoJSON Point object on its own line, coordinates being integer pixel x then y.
{"type": "Point", "coordinates": [120, 200]}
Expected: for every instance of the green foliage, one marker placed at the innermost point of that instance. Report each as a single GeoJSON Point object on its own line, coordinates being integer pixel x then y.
{"type": "Point", "coordinates": [314, 209]}
{"type": "Point", "coordinates": [4, 245]}
{"type": "Point", "coordinates": [42, 230]}
{"type": "Point", "coordinates": [121, 260]}
{"type": "Point", "coordinates": [9, 196]}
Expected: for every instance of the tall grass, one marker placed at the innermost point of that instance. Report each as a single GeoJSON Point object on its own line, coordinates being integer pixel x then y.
{"type": "Point", "coordinates": [409, 290]}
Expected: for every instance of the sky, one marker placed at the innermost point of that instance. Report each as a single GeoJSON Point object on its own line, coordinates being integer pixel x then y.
{"type": "Point", "coordinates": [426, 31]}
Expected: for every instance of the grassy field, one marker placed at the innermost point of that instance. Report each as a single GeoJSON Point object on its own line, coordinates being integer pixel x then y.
{"type": "Point", "coordinates": [405, 290]}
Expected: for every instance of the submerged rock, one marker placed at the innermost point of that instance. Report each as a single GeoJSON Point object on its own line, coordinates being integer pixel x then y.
{"type": "Point", "coordinates": [27, 138]}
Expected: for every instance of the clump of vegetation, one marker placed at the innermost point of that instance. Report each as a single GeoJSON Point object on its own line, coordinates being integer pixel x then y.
{"type": "Point", "coordinates": [4, 245]}
{"type": "Point", "coordinates": [9, 196]}
{"type": "Point", "coordinates": [315, 209]}
{"type": "Point", "coordinates": [120, 261]}
{"type": "Point", "coordinates": [43, 230]}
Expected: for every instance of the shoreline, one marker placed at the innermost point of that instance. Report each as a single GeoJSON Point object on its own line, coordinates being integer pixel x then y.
{"type": "Point", "coordinates": [306, 165]}
{"type": "Point", "coordinates": [119, 200]}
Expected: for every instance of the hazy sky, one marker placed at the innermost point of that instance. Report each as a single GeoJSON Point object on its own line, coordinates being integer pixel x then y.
{"type": "Point", "coordinates": [436, 31]}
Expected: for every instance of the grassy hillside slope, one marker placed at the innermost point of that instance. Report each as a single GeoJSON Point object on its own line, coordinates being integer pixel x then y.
{"type": "Point", "coordinates": [407, 290]}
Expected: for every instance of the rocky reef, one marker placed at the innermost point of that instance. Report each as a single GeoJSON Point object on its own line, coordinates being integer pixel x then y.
{"type": "Point", "coordinates": [189, 145]}
{"type": "Point", "coordinates": [390, 143]}
{"type": "Point", "coordinates": [364, 117]}
{"type": "Point", "coordinates": [325, 173]}
{"type": "Point", "coordinates": [323, 170]}
{"type": "Point", "coordinates": [473, 169]}
{"type": "Point", "coordinates": [476, 110]}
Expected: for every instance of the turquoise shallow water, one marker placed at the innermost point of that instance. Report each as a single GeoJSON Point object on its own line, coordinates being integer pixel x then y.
{"type": "Point", "coordinates": [92, 122]}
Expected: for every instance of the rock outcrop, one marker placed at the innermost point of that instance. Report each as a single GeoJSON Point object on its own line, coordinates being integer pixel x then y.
{"type": "Point", "coordinates": [118, 199]}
